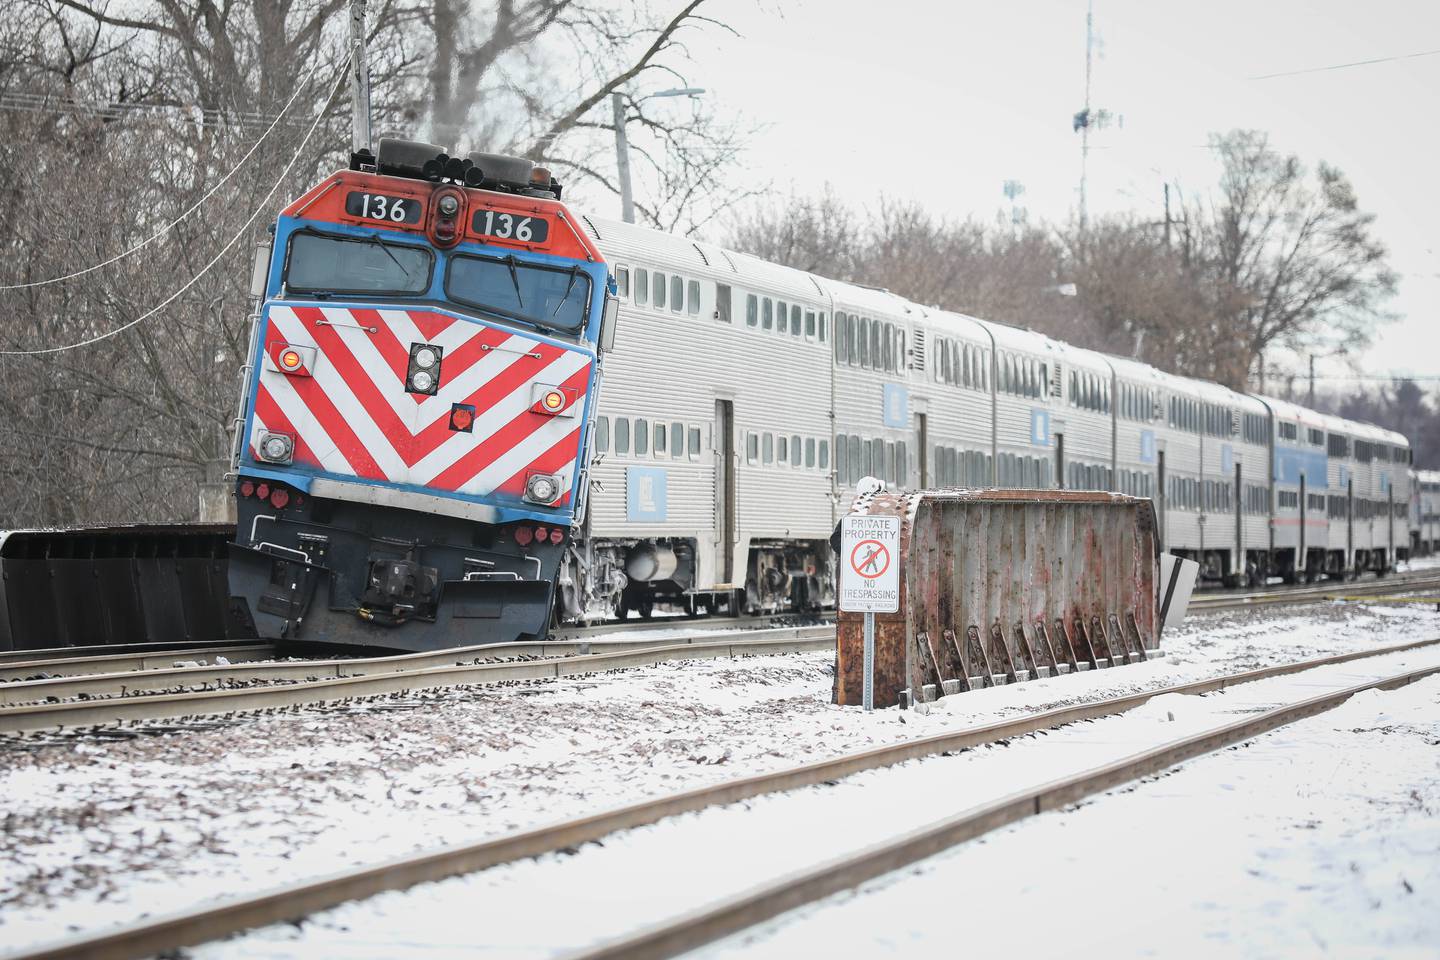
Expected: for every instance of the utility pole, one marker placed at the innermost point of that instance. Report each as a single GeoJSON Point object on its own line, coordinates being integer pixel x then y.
{"type": "Point", "coordinates": [1167, 215]}
{"type": "Point", "coordinates": [1311, 401]}
{"type": "Point", "coordinates": [622, 158]}
{"type": "Point", "coordinates": [1085, 126]}
{"type": "Point", "coordinates": [359, 80]}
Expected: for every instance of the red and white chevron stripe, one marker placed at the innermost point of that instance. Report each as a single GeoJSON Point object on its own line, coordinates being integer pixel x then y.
{"type": "Point", "coordinates": [353, 417]}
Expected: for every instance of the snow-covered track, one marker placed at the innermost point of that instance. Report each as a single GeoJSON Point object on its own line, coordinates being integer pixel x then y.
{"type": "Point", "coordinates": [111, 698]}
{"type": "Point", "coordinates": [297, 900]}
{"type": "Point", "coordinates": [767, 901]}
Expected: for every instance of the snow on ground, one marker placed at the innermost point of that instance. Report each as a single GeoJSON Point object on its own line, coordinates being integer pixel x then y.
{"type": "Point", "coordinates": [652, 873]}
{"type": "Point", "coordinates": [1318, 839]}
{"type": "Point", "coordinates": [98, 833]}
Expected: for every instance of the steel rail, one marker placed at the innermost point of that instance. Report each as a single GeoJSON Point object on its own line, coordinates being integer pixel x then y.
{"type": "Point", "coordinates": [84, 713]}
{"type": "Point", "coordinates": [289, 903]}
{"type": "Point", "coordinates": [129, 682]}
{"type": "Point", "coordinates": [70, 661]}
{"type": "Point", "coordinates": [1312, 592]}
{"type": "Point", "coordinates": [765, 902]}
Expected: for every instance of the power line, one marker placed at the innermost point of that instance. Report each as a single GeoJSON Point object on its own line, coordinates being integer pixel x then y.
{"type": "Point", "coordinates": [191, 209]}
{"type": "Point", "coordinates": [20, 101]}
{"type": "Point", "coordinates": [1343, 66]}
{"type": "Point", "coordinates": [260, 208]}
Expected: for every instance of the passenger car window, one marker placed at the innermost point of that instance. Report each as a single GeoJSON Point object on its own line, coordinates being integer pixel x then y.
{"type": "Point", "coordinates": [642, 287]}
{"type": "Point", "coordinates": [602, 434]}
{"type": "Point", "coordinates": [692, 298]}
{"type": "Point", "coordinates": [642, 436]}
{"type": "Point", "coordinates": [622, 436]}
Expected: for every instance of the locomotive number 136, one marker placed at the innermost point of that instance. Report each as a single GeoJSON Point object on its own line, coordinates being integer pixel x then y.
{"type": "Point", "coordinates": [377, 206]}
{"type": "Point", "coordinates": [509, 226]}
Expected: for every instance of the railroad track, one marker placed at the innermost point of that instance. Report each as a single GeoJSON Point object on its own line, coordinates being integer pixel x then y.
{"type": "Point", "coordinates": [297, 900]}
{"type": "Point", "coordinates": [102, 699]}
{"type": "Point", "coordinates": [72, 661]}
{"type": "Point", "coordinates": [1315, 593]}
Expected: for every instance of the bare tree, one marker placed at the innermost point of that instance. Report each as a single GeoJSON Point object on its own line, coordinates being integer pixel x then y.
{"type": "Point", "coordinates": [1295, 253]}
{"type": "Point", "coordinates": [176, 130]}
{"type": "Point", "coordinates": [536, 77]}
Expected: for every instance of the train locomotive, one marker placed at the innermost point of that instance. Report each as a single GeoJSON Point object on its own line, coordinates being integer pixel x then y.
{"type": "Point", "coordinates": [413, 433]}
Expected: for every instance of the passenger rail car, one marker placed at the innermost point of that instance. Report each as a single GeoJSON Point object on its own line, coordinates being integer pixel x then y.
{"type": "Point", "coordinates": [745, 400]}
{"type": "Point", "coordinates": [412, 443]}
{"type": "Point", "coordinates": [1425, 511]}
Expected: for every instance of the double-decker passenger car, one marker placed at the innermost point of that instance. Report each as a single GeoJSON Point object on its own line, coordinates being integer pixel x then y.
{"type": "Point", "coordinates": [746, 399]}
{"type": "Point", "coordinates": [412, 443]}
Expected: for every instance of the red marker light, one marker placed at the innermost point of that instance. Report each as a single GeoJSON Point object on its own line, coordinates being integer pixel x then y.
{"type": "Point", "coordinates": [462, 419]}
{"type": "Point", "coordinates": [247, 489]}
{"type": "Point", "coordinates": [290, 360]}
{"type": "Point", "coordinates": [556, 535]}
{"type": "Point", "coordinates": [523, 536]}
{"type": "Point", "coordinates": [263, 491]}
{"type": "Point", "coordinates": [540, 534]}
{"type": "Point", "coordinates": [279, 497]}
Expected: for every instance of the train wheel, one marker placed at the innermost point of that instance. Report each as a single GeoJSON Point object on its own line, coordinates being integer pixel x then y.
{"type": "Point", "coordinates": [646, 606]}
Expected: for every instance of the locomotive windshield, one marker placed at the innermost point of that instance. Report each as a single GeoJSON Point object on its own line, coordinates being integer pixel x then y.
{"type": "Point", "coordinates": [545, 296]}
{"type": "Point", "coordinates": [321, 264]}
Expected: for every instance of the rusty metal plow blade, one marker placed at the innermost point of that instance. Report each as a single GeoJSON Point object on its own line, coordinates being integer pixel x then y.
{"type": "Point", "coordinates": [999, 586]}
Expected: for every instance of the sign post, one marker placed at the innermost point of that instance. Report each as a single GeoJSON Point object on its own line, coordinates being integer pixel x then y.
{"type": "Point", "coordinates": [869, 579]}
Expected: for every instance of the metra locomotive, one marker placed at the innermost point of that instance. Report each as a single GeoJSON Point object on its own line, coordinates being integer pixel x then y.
{"type": "Point", "coordinates": [412, 444]}
{"type": "Point", "coordinates": [745, 400]}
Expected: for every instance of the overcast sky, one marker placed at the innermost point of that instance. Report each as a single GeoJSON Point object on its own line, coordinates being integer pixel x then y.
{"type": "Point", "coordinates": [944, 101]}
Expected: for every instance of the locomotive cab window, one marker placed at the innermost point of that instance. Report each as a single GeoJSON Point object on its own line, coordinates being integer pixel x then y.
{"type": "Point", "coordinates": [323, 264]}
{"type": "Point", "coordinates": [538, 295]}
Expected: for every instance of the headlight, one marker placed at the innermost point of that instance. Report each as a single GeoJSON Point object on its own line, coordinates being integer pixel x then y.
{"type": "Point", "coordinates": [425, 358]}
{"type": "Point", "coordinates": [422, 381]}
{"type": "Point", "coordinates": [542, 488]}
{"type": "Point", "coordinates": [276, 447]}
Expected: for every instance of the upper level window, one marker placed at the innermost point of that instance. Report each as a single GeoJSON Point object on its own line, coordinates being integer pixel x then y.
{"type": "Point", "coordinates": [324, 264]}
{"type": "Point", "coordinates": [537, 294]}
{"type": "Point", "coordinates": [1288, 431]}
{"type": "Point", "coordinates": [767, 314]}
{"type": "Point", "coordinates": [622, 281]}
{"type": "Point", "coordinates": [752, 310]}
{"type": "Point", "coordinates": [782, 316]}
{"type": "Point", "coordinates": [658, 289]}
{"type": "Point", "coordinates": [642, 286]}
{"type": "Point", "coordinates": [722, 302]}
{"type": "Point", "coordinates": [677, 294]}
{"type": "Point", "coordinates": [794, 320]}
